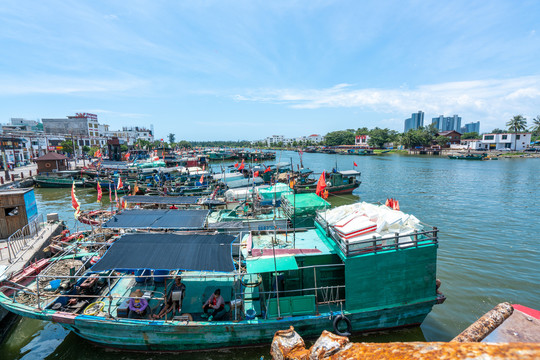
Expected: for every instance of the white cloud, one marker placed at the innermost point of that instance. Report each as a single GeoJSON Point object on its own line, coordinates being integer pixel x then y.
{"type": "Point", "coordinates": [474, 100]}
{"type": "Point", "coordinates": [43, 84]}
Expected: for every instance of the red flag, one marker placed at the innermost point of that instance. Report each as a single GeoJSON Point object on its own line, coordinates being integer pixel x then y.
{"type": "Point", "coordinates": [236, 165]}
{"type": "Point", "coordinates": [256, 173]}
{"type": "Point", "coordinates": [110, 193]}
{"type": "Point", "coordinates": [396, 205]}
{"type": "Point", "coordinates": [120, 183]}
{"type": "Point", "coordinates": [202, 179]}
{"type": "Point", "coordinates": [116, 199]}
{"type": "Point", "coordinates": [241, 167]}
{"type": "Point", "coordinates": [99, 192]}
{"type": "Point", "coordinates": [267, 170]}
{"type": "Point", "coordinates": [321, 184]}
{"type": "Point", "coordinates": [355, 164]}
{"type": "Point", "coordinates": [74, 201]}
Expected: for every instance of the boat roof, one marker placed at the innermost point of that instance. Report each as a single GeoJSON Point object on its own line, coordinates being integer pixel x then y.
{"type": "Point", "coordinates": [163, 251]}
{"type": "Point", "coordinates": [158, 219]}
{"type": "Point", "coordinates": [155, 199]}
{"type": "Point", "coordinates": [349, 172]}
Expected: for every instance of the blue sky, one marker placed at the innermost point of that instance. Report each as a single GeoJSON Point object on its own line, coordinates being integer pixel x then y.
{"type": "Point", "coordinates": [231, 70]}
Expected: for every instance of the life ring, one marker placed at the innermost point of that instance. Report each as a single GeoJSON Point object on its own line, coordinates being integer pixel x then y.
{"type": "Point", "coordinates": [255, 284]}
{"type": "Point", "coordinates": [94, 308]}
{"type": "Point", "coordinates": [339, 319]}
{"type": "Point", "coordinates": [329, 184]}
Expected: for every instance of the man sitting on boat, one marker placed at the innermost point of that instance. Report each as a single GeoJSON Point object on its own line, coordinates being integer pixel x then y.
{"type": "Point", "coordinates": [138, 306]}
{"type": "Point", "coordinates": [215, 305]}
{"type": "Point", "coordinates": [174, 299]}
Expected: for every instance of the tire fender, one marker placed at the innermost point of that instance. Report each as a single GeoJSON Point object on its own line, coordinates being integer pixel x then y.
{"type": "Point", "coordinates": [336, 322]}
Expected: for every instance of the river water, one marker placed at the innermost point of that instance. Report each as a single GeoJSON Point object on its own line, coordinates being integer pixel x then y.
{"type": "Point", "coordinates": [488, 214]}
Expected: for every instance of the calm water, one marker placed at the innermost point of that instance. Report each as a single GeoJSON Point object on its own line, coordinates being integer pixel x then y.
{"type": "Point", "coordinates": [488, 213]}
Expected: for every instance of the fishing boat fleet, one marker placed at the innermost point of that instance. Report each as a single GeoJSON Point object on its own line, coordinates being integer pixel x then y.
{"type": "Point", "coordinates": [191, 259]}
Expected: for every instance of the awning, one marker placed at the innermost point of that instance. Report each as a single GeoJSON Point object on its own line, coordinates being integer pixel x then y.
{"type": "Point", "coordinates": [167, 200]}
{"type": "Point", "coordinates": [158, 219]}
{"type": "Point", "coordinates": [266, 264]}
{"type": "Point", "coordinates": [349, 172]}
{"type": "Point", "coordinates": [169, 252]}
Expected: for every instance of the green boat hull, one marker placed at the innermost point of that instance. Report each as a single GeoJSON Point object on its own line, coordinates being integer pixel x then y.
{"type": "Point", "coordinates": [180, 335]}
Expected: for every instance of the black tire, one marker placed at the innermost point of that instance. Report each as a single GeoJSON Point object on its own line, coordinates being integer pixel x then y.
{"type": "Point", "coordinates": [339, 319]}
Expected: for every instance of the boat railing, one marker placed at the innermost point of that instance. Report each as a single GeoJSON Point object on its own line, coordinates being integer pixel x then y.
{"type": "Point", "coordinates": [22, 239]}
{"type": "Point", "coordinates": [376, 244]}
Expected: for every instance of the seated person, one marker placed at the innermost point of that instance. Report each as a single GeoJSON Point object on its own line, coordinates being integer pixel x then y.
{"type": "Point", "coordinates": [138, 306]}
{"type": "Point", "coordinates": [173, 303]}
{"type": "Point", "coordinates": [214, 305]}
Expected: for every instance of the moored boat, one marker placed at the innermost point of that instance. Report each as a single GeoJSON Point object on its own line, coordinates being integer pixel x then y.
{"type": "Point", "coordinates": [364, 266]}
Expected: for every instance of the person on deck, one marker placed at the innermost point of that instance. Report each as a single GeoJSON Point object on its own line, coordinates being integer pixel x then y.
{"type": "Point", "coordinates": [171, 304]}
{"type": "Point", "coordinates": [138, 306]}
{"type": "Point", "coordinates": [215, 305]}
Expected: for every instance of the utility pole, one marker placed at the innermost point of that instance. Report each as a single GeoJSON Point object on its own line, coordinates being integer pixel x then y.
{"type": "Point", "coordinates": [4, 160]}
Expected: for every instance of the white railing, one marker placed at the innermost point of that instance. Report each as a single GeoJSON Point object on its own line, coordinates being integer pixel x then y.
{"type": "Point", "coordinates": [22, 239]}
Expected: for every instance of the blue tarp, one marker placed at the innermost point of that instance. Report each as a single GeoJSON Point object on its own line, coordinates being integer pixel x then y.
{"type": "Point", "coordinates": [169, 252]}
{"type": "Point", "coordinates": [158, 219]}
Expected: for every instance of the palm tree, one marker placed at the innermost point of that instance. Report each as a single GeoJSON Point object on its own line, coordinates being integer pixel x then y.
{"type": "Point", "coordinates": [517, 123]}
{"type": "Point", "coordinates": [535, 128]}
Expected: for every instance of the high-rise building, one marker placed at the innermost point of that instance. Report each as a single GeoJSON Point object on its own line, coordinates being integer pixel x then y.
{"type": "Point", "coordinates": [449, 123]}
{"type": "Point", "coordinates": [471, 127]}
{"type": "Point", "coordinates": [415, 121]}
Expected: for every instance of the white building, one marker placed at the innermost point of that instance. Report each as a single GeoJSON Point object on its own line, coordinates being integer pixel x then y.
{"type": "Point", "coordinates": [361, 140]}
{"type": "Point", "coordinates": [506, 141]}
{"type": "Point", "coordinates": [274, 140]}
{"type": "Point", "coordinates": [315, 138]}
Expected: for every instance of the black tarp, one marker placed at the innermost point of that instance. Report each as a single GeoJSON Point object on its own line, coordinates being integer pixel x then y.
{"type": "Point", "coordinates": [168, 200]}
{"type": "Point", "coordinates": [169, 252]}
{"type": "Point", "coordinates": [158, 219]}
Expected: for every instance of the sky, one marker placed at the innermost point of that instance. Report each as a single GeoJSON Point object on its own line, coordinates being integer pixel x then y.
{"type": "Point", "coordinates": [235, 70]}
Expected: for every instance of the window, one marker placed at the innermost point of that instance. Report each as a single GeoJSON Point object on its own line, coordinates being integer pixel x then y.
{"type": "Point", "coordinates": [518, 136]}
{"type": "Point", "coordinates": [11, 211]}
{"type": "Point", "coordinates": [489, 137]}
{"type": "Point", "coordinates": [504, 137]}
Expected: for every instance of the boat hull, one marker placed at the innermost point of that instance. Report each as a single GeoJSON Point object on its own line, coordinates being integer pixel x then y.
{"type": "Point", "coordinates": [181, 336]}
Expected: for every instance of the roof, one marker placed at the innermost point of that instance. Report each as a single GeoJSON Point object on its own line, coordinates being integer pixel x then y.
{"type": "Point", "coordinates": [169, 252]}
{"type": "Point", "coordinates": [51, 156]}
{"type": "Point", "coordinates": [158, 219]}
{"type": "Point", "coordinates": [349, 172]}
{"type": "Point", "coordinates": [169, 200]}
{"type": "Point", "coordinates": [271, 264]}
{"type": "Point", "coordinates": [449, 132]}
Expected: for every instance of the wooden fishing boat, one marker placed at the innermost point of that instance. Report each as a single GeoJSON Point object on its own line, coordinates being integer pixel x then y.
{"type": "Point", "coordinates": [57, 182]}
{"type": "Point", "coordinates": [340, 182]}
{"type": "Point", "coordinates": [320, 279]}
{"type": "Point", "coordinates": [94, 217]}
{"type": "Point", "coordinates": [467, 157]}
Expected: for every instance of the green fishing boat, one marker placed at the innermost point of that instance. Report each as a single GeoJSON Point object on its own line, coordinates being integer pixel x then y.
{"type": "Point", "coordinates": [340, 182]}
{"type": "Point", "coordinates": [57, 182]}
{"type": "Point", "coordinates": [349, 274]}
{"type": "Point", "coordinates": [467, 157]}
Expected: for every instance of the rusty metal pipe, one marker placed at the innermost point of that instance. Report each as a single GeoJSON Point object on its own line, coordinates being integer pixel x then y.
{"type": "Point", "coordinates": [439, 350]}
{"type": "Point", "coordinates": [486, 324]}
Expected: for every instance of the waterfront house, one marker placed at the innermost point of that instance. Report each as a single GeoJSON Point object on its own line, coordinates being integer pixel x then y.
{"type": "Point", "coordinates": [51, 162]}
{"type": "Point", "coordinates": [506, 141]}
{"type": "Point", "coordinates": [454, 136]}
{"type": "Point", "coordinates": [361, 140]}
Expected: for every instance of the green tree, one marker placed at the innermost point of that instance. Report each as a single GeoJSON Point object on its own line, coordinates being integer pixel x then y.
{"type": "Point", "coordinates": [535, 127]}
{"type": "Point", "coordinates": [442, 141]}
{"type": "Point", "coordinates": [379, 137]}
{"type": "Point", "coordinates": [124, 148]}
{"type": "Point", "coordinates": [67, 146]}
{"type": "Point", "coordinates": [497, 131]}
{"type": "Point", "coordinates": [342, 137]}
{"type": "Point", "coordinates": [362, 131]}
{"type": "Point", "coordinates": [184, 144]}
{"type": "Point", "coordinates": [171, 137]}
{"type": "Point", "coordinates": [86, 149]}
{"type": "Point", "coordinates": [471, 135]}
{"type": "Point", "coordinates": [516, 124]}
